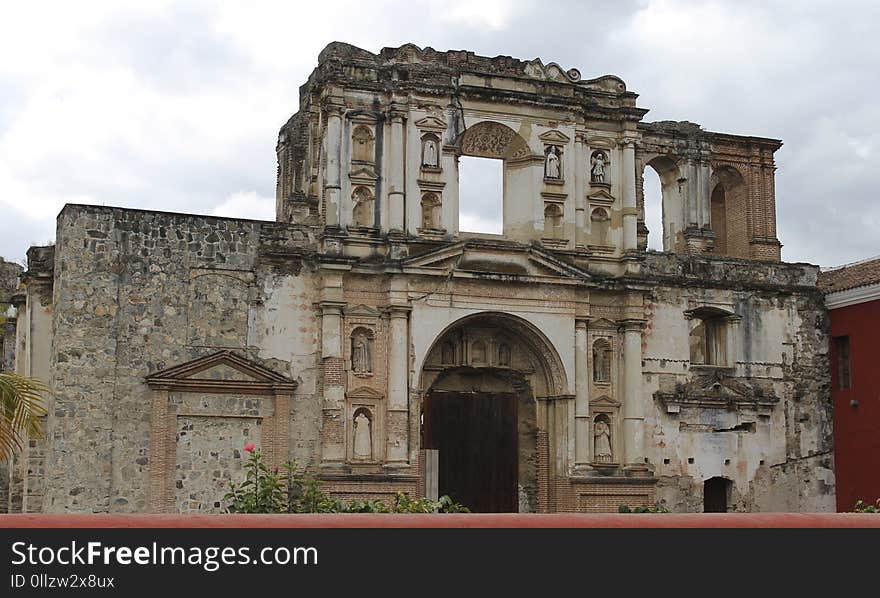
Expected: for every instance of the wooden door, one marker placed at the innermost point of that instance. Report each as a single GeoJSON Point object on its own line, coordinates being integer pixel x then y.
{"type": "Point", "coordinates": [715, 491]}
{"type": "Point", "coordinates": [475, 434]}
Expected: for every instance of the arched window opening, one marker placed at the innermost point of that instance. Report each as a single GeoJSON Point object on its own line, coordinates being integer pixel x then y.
{"type": "Point", "coordinates": [728, 214]}
{"type": "Point", "coordinates": [653, 209]}
{"type": "Point", "coordinates": [663, 190]}
{"type": "Point", "coordinates": [708, 338]}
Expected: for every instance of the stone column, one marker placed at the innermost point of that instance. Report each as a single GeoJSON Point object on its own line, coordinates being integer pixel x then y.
{"type": "Point", "coordinates": [581, 174]}
{"type": "Point", "coordinates": [397, 433]}
{"type": "Point", "coordinates": [582, 396]}
{"type": "Point", "coordinates": [630, 211]}
{"type": "Point", "coordinates": [633, 410]}
{"type": "Point", "coordinates": [693, 201]}
{"type": "Point", "coordinates": [705, 194]}
{"type": "Point", "coordinates": [396, 190]}
{"type": "Point", "coordinates": [332, 177]}
{"type": "Point", "coordinates": [333, 408]}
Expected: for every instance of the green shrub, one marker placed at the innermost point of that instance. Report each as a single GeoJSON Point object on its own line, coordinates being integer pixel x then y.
{"type": "Point", "coordinates": [642, 509]}
{"type": "Point", "coordinates": [862, 507]}
{"type": "Point", "coordinates": [287, 490]}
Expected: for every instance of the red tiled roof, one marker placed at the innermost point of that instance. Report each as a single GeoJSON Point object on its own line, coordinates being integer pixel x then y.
{"type": "Point", "coordinates": [850, 276]}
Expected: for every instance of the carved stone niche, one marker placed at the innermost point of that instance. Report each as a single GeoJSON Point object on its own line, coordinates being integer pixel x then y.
{"type": "Point", "coordinates": [603, 358]}
{"type": "Point", "coordinates": [554, 225]}
{"type": "Point", "coordinates": [718, 390]}
{"type": "Point", "coordinates": [364, 347]}
{"type": "Point", "coordinates": [600, 168]}
{"type": "Point", "coordinates": [554, 142]}
{"type": "Point", "coordinates": [604, 441]}
{"type": "Point", "coordinates": [431, 129]}
{"type": "Point", "coordinates": [365, 428]}
{"type": "Point", "coordinates": [431, 215]}
{"type": "Point", "coordinates": [363, 144]}
{"type": "Point", "coordinates": [363, 214]}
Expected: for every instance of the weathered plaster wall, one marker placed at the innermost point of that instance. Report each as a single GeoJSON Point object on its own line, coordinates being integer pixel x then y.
{"type": "Point", "coordinates": [778, 457]}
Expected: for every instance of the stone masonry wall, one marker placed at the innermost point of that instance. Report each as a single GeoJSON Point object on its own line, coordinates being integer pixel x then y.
{"type": "Point", "coordinates": [131, 298]}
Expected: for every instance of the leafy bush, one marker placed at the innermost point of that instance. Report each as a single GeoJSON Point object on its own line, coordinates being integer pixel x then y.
{"type": "Point", "coordinates": [287, 490]}
{"type": "Point", "coordinates": [862, 507]}
{"type": "Point", "coordinates": [642, 509]}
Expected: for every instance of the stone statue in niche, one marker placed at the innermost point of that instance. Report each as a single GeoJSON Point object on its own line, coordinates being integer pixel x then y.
{"type": "Point", "coordinates": [551, 164]}
{"type": "Point", "coordinates": [361, 353]}
{"type": "Point", "coordinates": [602, 440]}
{"type": "Point", "coordinates": [601, 361]}
{"type": "Point", "coordinates": [363, 436]}
{"type": "Point", "coordinates": [597, 167]}
{"type": "Point", "coordinates": [429, 153]}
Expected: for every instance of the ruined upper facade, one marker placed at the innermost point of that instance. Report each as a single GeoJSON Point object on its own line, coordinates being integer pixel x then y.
{"type": "Point", "coordinates": [557, 366]}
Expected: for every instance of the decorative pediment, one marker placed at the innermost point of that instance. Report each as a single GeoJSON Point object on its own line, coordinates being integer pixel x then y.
{"type": "Point", "coordinates": [362, 310]}
{"type": "Point", "coordinates": [601, 197]}
{"type": "Point", "coordinates": [470, 258]}
{"type": "Point", "coordinates": [223, 371]}
{"type": "Point", "coordinates": [365, 393]}
{"type": "Point", "coordinates": [604, 401]}
{"type": "Point", "coordinates": [363, 175]}
{"type": "Point", "coordinates": [431, 123]}
{"type": "Point", "coordinates": [604, 323]}
{"type": "Point", "coordinates": [554, 137]}
{"type": "Point", "coordinates": [717, 390]}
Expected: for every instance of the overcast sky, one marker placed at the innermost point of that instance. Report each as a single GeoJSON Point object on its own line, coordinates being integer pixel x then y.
{"type": "Point", "coordinates": [176, 105]}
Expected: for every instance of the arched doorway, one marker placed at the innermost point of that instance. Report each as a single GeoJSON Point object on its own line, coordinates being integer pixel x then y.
{"type": "Point", "coordinates": [484, 380]}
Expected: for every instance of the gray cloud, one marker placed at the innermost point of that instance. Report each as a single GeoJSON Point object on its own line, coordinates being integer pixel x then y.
{"type": "Point", "coordinates": [177, 107]}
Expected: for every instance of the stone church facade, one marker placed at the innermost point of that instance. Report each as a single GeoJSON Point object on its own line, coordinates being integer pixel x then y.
{"type": "Point", "coordinates": [559, 366]}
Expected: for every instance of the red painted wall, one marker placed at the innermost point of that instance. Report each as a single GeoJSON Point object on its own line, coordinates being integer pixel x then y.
{"type": "Point", "coordinates": [857, 428]}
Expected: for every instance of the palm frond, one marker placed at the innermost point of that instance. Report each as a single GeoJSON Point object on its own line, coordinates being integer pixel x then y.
{"type": "Point", "coordinates": [21, 407]}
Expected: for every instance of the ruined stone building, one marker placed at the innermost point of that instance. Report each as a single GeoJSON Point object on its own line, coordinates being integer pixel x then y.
{"type": "Point", "coordinates": [559, 366]}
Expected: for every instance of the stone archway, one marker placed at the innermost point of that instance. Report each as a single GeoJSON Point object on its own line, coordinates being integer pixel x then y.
{"type": "Point", "coordinates": [486, 383]}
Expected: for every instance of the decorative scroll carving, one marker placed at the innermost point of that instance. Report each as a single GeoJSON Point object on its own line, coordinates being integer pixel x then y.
{"type": "Point", "coordinates": [493, 140]}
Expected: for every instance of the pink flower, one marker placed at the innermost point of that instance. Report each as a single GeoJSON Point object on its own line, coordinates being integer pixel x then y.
{"type": "Point", "coordinates": [249, 447]}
